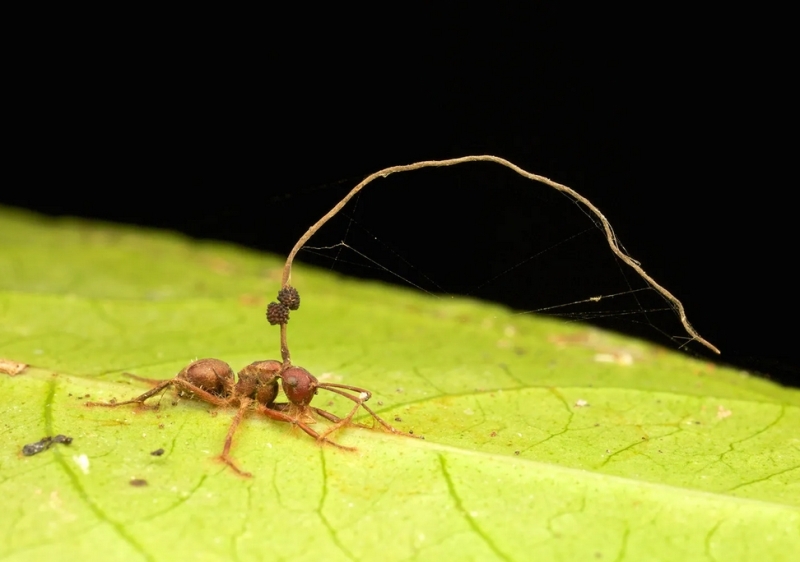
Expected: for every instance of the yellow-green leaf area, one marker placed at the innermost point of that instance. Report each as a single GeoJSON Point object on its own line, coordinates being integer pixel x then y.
{"type": "Point", "coordinates": [543, 440]}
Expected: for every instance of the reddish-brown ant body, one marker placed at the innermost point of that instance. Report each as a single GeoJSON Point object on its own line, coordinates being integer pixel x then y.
{"type": "Point", "coordinates": [212, 381]}
{"type": "Point", "coordinates": [256, 388]}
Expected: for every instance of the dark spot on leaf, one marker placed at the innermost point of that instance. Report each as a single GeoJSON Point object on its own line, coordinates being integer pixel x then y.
{"type": "Point", "coordinates": [397, 419]}
{"type": "Point", "coordinates": [493, 434]}
{"type": "Point", "coordinates": [138, 482]}
{"type": "Point", "coordinates": [35, 448]}
{"type": "Point", "coordinates": [44, 443]}
{"type": "Point", "coordinates": [157, 452]}
{"type": "Point", "coordinates": [516, 453]}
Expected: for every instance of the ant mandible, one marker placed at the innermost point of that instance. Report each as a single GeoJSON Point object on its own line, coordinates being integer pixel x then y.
{"type": "Point", "coordinates": [212, 381]}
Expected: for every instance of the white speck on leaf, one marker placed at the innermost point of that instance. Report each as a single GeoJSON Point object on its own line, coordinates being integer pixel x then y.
{"type": "Point", "coordinates": [622, 358]}
{"type": "Point", "coordinates": [83, 463]}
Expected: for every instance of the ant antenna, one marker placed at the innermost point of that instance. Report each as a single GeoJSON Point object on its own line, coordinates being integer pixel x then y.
{"type": "Point", "coordinates": [277, 314]}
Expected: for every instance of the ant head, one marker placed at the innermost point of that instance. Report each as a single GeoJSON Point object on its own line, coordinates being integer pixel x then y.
{"type": "Point", "coordinates": [259, 380]}
{"type": "Point", "coordinates": [212, 375]}
{"type": "Point", "coordinates": [299, 385]}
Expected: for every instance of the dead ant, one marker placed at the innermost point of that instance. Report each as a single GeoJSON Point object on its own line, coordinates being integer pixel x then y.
{"type": "Point", "coordinates": [212, 381]}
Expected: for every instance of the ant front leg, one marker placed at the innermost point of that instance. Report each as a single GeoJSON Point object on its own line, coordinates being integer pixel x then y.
{"type": "Point", "coordinates": [363, 396]}
{"type": "Point", "coordinates": [333, 417]}
{"type": "Point", "coordinates": [275, 411]}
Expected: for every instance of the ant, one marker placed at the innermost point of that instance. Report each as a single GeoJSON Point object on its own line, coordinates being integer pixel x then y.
{"type": "Point", "coordinates": [212, 381]}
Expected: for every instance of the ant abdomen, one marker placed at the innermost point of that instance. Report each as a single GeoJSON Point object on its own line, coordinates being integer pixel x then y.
{"type": "Point", "coordinates": [212, 375]}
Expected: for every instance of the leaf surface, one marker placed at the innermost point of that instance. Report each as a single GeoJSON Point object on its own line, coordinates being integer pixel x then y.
{"type": "Point", "coordinates": [543, 440]}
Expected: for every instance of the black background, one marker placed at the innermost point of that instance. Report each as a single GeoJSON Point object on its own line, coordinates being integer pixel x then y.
{"type": "Point", "coordinates": [249, 128]}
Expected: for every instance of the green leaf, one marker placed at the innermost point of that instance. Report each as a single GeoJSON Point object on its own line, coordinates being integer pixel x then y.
{"type": "Point", "coordinates": [543, 440]}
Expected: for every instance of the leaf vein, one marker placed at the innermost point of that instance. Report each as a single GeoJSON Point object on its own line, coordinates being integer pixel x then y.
{"type": "Point", "coordinates": [465, 514]}
{"type": "Point", "coordinates": [76, 484]}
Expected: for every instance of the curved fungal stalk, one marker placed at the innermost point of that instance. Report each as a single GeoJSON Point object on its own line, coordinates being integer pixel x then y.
{"type": "Point", "coordinates": [609, 232]}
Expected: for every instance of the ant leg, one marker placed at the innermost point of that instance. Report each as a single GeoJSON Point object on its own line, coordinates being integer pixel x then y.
{"type": "Point", "coordinates": [340, 423]}
{"type": "Point", "coordinates": [180, 383]}
{"type": "Point", "coordinates": [326, 414]}
{"type": "Point", "coordinates": [201, 394]}
{"type": "Point", "coordinates": [360, 403]}
{"type": "Point", "coordinates": [381, 421]}
{"type": "Point", "coordinates": [334, 418]}
{"type": "Point", "coordinates": [151, 382]}
{"type": "Point", "coordinates": [237, 419]}
{"type": "Point", "coordinates": [277, 414]}
{"type": "Point", "coordinates": [139, 399]}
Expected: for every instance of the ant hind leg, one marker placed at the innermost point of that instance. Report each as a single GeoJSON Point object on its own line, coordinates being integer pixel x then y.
{"type": "Point", "coordinates": [139, 399]}
{"type": "Point", "coordinates": [151, 382]}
